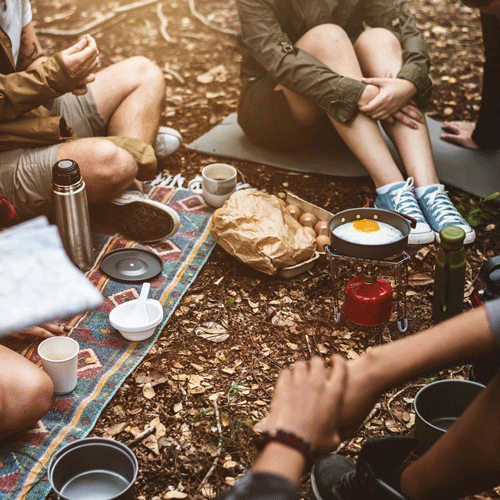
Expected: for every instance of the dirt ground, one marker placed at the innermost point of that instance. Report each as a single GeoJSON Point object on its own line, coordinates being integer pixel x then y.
{"type": "Point", "coordinates": [204, 398]}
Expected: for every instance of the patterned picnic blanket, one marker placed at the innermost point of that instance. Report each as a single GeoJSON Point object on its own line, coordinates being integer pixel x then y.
{"type": "Point", "coordinates": [105, 358]}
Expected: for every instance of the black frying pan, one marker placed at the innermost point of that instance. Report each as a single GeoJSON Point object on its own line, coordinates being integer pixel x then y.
{"type": "Point", "coordinates": [363, 251]}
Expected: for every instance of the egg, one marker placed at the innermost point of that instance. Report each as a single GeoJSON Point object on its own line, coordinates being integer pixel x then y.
{"type": "Point", "coordinates": [321, 227]}
{"type": "Point", "coordinates": [308, 219]}
{"type": "Point", "coordinates": [321, 241]}
{"type": "Point", "coordinates": [368, 232]}
{"type": "Point", "coordinates": [282, 202]}
{"type": "Point", "coordinates": [311, 231]}
{"type": "Point", "coordinates": [295, 211]}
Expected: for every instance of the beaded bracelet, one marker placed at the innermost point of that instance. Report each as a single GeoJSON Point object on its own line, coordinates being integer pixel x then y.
{"type": "Point", "coordinates": [293, 441]}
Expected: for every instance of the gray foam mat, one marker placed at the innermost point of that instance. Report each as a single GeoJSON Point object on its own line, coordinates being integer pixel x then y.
{"type": "Point", "coordinates": [475, 172]}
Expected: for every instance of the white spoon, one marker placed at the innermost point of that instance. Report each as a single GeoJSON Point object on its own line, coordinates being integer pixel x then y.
{"type": "Point", "coordinates": [138, 316]}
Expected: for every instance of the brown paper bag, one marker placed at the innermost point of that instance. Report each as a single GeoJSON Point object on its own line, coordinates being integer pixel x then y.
{"type": "Point", "coordinates": [255, 228]}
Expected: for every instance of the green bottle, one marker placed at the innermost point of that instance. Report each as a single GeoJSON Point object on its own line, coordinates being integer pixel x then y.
{"type": "Point", "coordinates": [449, 274]}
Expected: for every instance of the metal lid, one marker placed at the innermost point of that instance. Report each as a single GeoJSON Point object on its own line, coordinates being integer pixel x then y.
{"type": "Point", "coordinates": [66, 173]}
{"type": "Point", "coordinates": [452, 237]}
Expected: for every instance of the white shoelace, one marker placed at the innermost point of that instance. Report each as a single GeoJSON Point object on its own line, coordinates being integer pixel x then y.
{"type": "Point", "coordinates": [442, 208]}
{"type": "Point", "coordinates": [405, 201]}
{"type": "Point", "coordinates": [173, 181]}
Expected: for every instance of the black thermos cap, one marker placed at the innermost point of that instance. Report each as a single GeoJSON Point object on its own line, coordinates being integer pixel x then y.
{"type": "Point", "coordinates": [66, 173]}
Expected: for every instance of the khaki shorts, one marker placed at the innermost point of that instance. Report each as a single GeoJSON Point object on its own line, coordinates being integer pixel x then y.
{"type": "Point", "coordinates": [26, 174]}
{"type": "Point", "coordinates": [267, 121]}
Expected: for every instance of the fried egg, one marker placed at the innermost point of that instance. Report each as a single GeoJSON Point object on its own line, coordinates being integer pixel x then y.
{"type": "Point", "coordinates": [368, 232]}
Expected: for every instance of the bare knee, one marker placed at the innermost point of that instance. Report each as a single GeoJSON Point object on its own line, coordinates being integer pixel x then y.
{"type": "Point", "coordinates": [375, 44]}
{"type": "Point", "coordinates": [324, 41]}
{"type": "Point", "coordinates": [147, 72]}
{"type": "Point", "coordinates": [107, 169]}
{"type": "Point", "coordinates": [24, 400]}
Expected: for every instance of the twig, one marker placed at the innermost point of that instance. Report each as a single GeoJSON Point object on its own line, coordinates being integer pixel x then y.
{"type": "Point", "coordinates": [163, 24]}
{"type": "Point", "coordinates": [219, 450]}
{"type": "Point", "coordinates": [174, 73]}
{"type": "Point", "coordinates": [140, 436]}
{"type": "Point", "coordinates": [97, 22]}
{"type": "Point", "coordinates": [308, 346]}
{"type": "Point", "coordinates": [204, 20]}
{"type": "Point", "coordinates": [394, 396]}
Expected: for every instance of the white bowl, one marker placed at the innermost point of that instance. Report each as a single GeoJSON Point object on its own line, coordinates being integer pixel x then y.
{"type": "Point", "coordinates": [118, 316]}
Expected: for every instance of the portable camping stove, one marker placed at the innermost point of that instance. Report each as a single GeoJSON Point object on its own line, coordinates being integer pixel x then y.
{"type": "Point", "coordinates": [395, 266]}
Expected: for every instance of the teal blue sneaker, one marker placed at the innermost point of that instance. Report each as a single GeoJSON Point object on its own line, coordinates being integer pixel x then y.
{"type": "Point", "coordinates": [401, 198]}
{"type": "Point", "coordinates": [440, 212]}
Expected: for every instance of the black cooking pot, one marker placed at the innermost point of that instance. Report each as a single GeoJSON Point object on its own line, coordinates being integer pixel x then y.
{"type": "Point", "coordinates": [363, 251]}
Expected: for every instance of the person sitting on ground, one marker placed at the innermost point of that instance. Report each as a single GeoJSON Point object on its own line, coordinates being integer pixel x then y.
{"type": "Point", "coordinates": [484, 133]}
{"type": "Point", "coordinates": [56, 108]}
{"type": "Point", "coordinates": [465, 460]}
{"type": "Point", "coordinates": [25, 390]}
{"type": "Point", "coordinates": [314, 71]}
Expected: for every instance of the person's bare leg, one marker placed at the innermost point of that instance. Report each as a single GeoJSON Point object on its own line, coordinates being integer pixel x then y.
{"type": "Point", "coordinates": [466, 459]}
{"type": "Point", "coordinates": [413, 145]}
{"type": "Point", "coordinates": [106, 168]}
{"type": "Point", "coordinates": [330, 44]}
{"type": "Point", "coordinates": [25, 393]}
{"type": "Point", "coordinates": [128, 95]}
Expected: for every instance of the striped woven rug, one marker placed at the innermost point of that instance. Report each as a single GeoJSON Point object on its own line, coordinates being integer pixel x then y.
{"type": "Point", "coordinates": [105, 358]}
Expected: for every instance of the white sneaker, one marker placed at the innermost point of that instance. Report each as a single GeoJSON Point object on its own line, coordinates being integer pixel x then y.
{"type": "Point", "coordinates": [167, 142]}
{"type": "Point", "coordinates": [138, 218]}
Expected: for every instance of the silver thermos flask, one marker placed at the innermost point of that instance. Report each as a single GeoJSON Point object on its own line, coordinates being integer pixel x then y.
{"type": "Point", "coordinates": [71, 211]}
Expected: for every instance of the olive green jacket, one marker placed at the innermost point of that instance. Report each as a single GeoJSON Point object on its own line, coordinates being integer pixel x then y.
{"type": "Point", "coordinates": [270, 28]}
{"type": "Point", "coordinates": [26, 123]}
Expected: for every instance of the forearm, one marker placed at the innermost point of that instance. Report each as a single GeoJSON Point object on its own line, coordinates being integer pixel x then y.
{"type": "Point", "coordinates": [24, 91]}
{"type": "Point", "coordinates": [458, 340]}
{"type": "Point", "coordinates": [281, 460]}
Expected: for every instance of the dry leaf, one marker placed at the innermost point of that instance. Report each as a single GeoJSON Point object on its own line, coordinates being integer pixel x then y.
{"type": "Point", "coordinates": [116, 429]}
{"type": "Point", "coordinates": [212, 331]}
{"type": "Point", "coordinates": [321, 349]}
{"type": "Point", "coordinates": [229, 464]}
{"type": "Point", "coordinates": [152, 443]}
{"type": "Point", "coordinates": [177, 407]}
{"type": "Point", "coordinates": [147, 391]}
{"type": "Point", "coordinates": [161, 430]}
{"type": "Point", "coordinates": [420, 279]}
{"type": "Point", "coordinates": [175, 494]}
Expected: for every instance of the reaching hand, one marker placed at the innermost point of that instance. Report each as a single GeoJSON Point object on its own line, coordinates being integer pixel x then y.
{"type": "Point", "coordinates": [394, 94]}
{"type": "Point", "coordinates": [307, 401]}
{"type": "Point", "coordinates": [81, 60]}
{"type": "Point", "coordinates": [461, 134]}
{"type": "Point", "coordinates": [44, 331]}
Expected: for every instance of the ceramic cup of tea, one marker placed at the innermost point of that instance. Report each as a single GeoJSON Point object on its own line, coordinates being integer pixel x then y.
{"type": "Point", "coordinates": [59, 356]}
{"type": "Point", "coordinates": [217, 185]}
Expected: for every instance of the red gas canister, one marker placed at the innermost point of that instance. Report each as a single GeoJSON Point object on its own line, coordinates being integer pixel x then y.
{"type": "Point", "coordinates": [368, 300]}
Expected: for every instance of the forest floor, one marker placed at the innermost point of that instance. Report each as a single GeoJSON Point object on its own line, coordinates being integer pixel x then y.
{"type": "Point", "coordinates": [271, 321]}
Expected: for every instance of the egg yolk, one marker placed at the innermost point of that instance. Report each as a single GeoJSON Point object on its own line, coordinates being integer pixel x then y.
{"type": "Point", "coordinates": [365, 226]}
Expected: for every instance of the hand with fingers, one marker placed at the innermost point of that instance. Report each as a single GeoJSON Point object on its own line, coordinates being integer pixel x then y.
{"type": "Point", "coordinates": [392, 102]}
{"type": "Point", "coordinates": [459, 133]}
{"type": "Point", "coordinates": [81, 60]}
{"type": "Point", "coordinates": [44, 331]}
{"type": "Point", "coordinates": [307, 402]}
